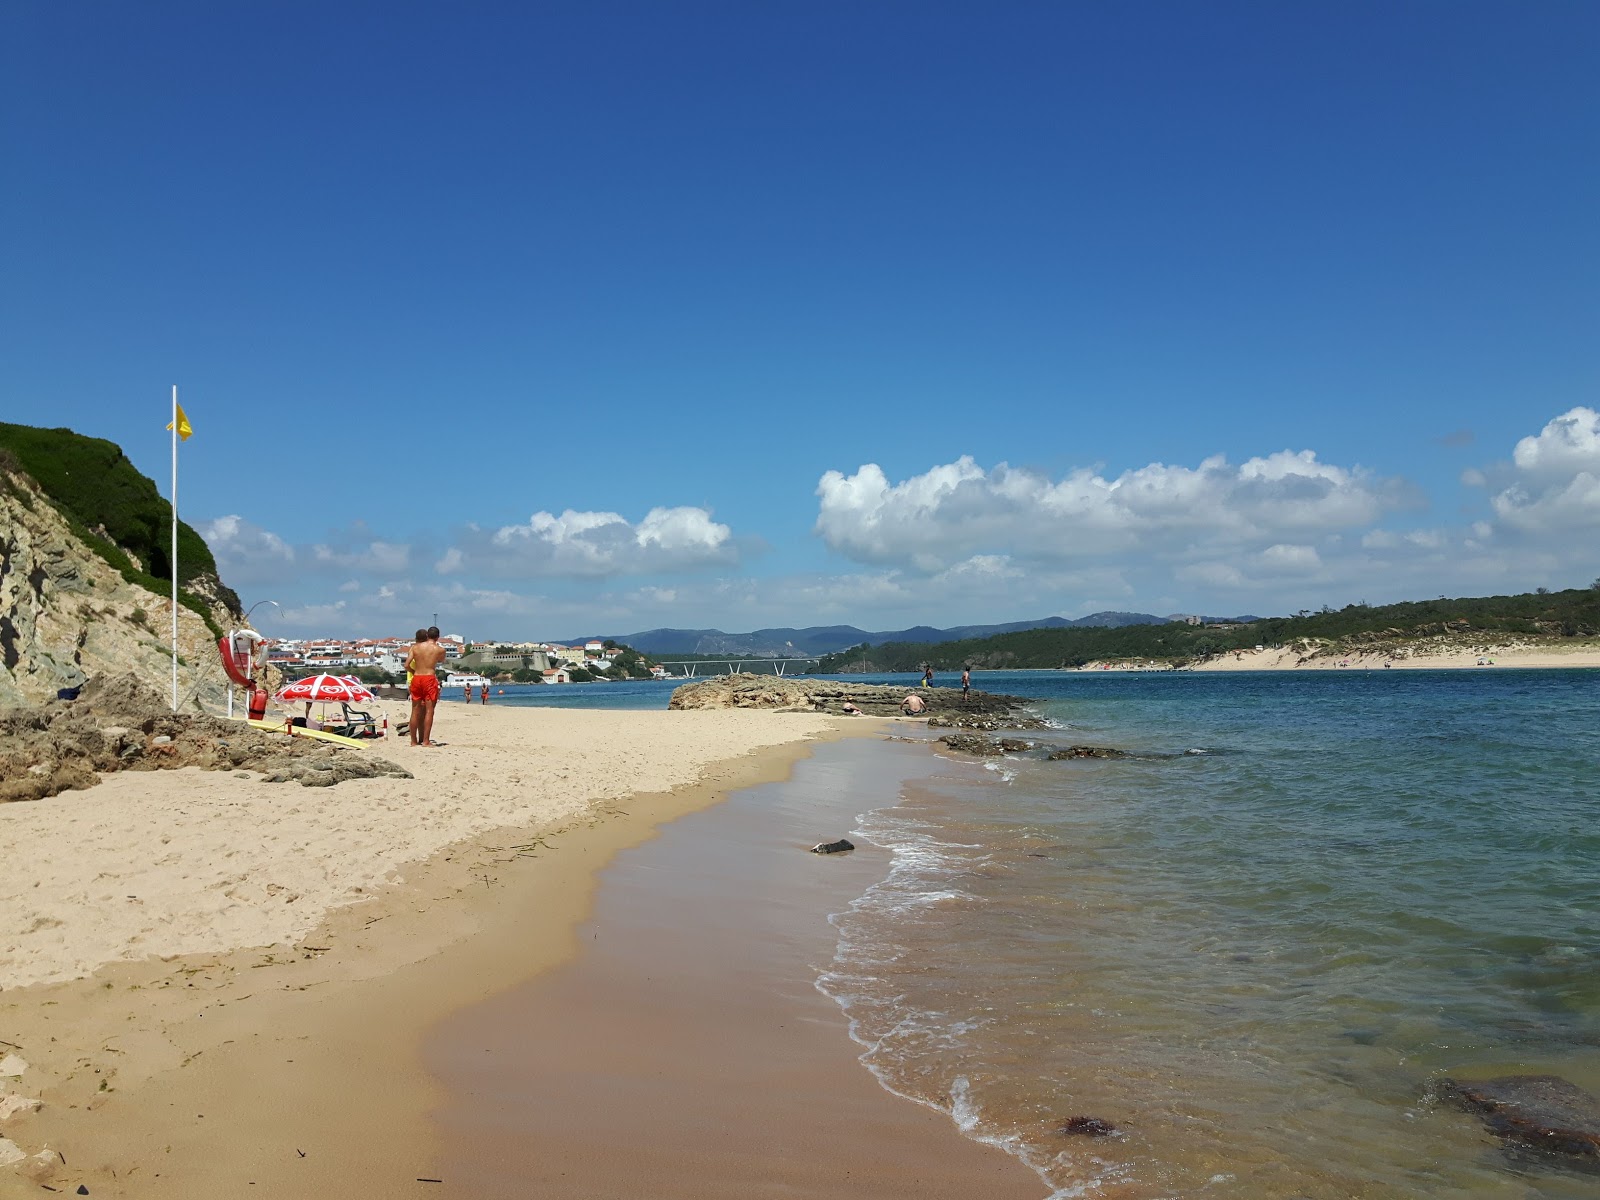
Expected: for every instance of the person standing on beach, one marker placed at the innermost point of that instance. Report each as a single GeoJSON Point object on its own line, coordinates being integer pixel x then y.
{"type": "Point", "coordinates": [966, 683]}
{"type": "Point", "coordinates": [485, 691]}
{"type": "Point", "coordinates": [420, 664]}
{"type": "Point", "coordinates": [927, 676]}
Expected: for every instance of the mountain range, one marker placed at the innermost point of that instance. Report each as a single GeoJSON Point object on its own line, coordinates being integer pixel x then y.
{"type": "Point", "coordinates": [827, 639]}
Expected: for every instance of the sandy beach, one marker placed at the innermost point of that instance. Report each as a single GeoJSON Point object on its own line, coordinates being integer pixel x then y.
{"type": "Point", "coordinates": [1579, 654]}
{"type": "Point", "coordinates": [213, 981]}
{"type": "Point", "coordinates": [1576, 653]}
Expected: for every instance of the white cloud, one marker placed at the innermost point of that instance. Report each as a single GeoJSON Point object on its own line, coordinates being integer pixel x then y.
{"type": "Point", "coordinates": [596, 545]}
{"type": "Point", "coordinates": [388, 559]}
{"type": "Point", "coordinates": [1553, 484]}
{"type": "Point", "coordinates": [1290, 560]}
{"type": "Point", "coordinates": [1419, 539]}
{"type": "Point", "coordinates": [1567, 445]}
{"type": "Point", "coordinates": [245, 552]}
{"type": "Point", "coordinates": [953, 511]}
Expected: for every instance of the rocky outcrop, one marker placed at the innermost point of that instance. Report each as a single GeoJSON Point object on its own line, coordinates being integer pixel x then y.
{"type": "Point", "coordinates": [1545, 1112]}
{"type": "Point", "coordinates": [974, 744]}
{"type": "Point", "coordinates": [821, 694]}
{"type": "Point", "coordinates": [1086, 752]}
{"type": "Point", "coordinates": [987, 723]}
{"type": "Point", "coordinates": [117, 724]}
{"type": "Point", "coordinates": [842, 846]}
{"type": "Point", "coordinates": [67, 616]}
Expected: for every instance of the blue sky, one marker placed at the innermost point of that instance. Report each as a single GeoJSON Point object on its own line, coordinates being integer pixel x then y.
{"type": "Point", "coordinates": [556, 319]}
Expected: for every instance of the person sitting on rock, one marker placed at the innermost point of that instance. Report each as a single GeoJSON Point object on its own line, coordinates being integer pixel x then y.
{"type": "Point", "coordinates": [912, 705]}
{"type": "Point", "coordinates": [850, 710]}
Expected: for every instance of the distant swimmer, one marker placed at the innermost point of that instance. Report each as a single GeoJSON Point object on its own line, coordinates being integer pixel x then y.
{"type": "Point", "coordinates": [426, 654]}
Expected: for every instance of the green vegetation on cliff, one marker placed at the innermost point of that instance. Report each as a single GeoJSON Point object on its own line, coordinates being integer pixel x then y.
{"type": "Point", "coordinates": [1357, 628]}
{"type": "Point", "coordinates": [117, 512]}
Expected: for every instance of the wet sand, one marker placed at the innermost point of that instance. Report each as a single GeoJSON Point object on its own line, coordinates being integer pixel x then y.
{"type": "Point", "coordinates": [686, 1052]}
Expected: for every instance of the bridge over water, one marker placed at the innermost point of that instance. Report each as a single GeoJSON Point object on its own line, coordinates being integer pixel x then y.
{"type": "Point", "coordinates": [689, 669]}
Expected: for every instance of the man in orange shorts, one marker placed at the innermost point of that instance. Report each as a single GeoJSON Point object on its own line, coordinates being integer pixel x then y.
{"type": "Point", "coordinates": [425, 655]}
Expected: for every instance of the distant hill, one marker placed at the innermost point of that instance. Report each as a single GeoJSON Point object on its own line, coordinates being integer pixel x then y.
{"type": "Point", "coordinates": [827, 639]}
{"type": "Point", "coordinates": [1357, 628]}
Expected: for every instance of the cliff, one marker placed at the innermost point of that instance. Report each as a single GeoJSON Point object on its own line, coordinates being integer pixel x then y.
{"type": "Point", "coordinates": [76, 598]}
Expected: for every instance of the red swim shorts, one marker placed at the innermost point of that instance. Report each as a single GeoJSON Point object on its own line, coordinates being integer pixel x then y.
{"type": "Point", "coordinates": [425, 687]}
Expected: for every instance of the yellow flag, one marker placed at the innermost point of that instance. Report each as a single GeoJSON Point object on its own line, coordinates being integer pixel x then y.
{"type": "Point", "coordinates": [184, 428]}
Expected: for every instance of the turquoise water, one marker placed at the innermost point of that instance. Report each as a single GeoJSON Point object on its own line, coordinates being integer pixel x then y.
{"type": "Point", "coordinates": [1254, 945]}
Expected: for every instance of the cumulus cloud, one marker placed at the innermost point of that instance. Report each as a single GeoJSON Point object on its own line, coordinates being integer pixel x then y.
{"type": "Point", "coordinates": [1556, 482]}
{"type": "Point", "coordinates": [959, 509]}
{"type": "Point", "coordinates": [595, 545]}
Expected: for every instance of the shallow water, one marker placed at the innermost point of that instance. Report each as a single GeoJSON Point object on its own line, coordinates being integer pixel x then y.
{"type": "Point", "coordinates": [1254, 947]}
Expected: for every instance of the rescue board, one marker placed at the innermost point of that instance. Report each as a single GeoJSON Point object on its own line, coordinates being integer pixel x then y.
{"type": "Point", "coordinates": [322, 735]}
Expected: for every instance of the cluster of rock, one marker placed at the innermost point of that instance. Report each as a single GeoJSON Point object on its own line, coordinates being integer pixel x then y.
{"type": "Point", "coordinates": [984, 722]}
{"type": "Point", "coordinates": [979, 746]}
{"type": "Point", "coordinates": [1543, 1112]}
{"type": "Point", "coordinates": [118, 724]}
{"type": "Point", "coordinates": [809, 693]}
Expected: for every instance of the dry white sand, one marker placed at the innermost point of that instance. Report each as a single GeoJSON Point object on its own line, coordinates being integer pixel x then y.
{"type": "Point", "coordinates": [165, 863]}
{"type": "Point", "coordinates": [1508, 655]}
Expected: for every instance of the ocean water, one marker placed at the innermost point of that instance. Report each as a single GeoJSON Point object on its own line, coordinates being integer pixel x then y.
{"type": "Point", "coordinates": [1254, 945]}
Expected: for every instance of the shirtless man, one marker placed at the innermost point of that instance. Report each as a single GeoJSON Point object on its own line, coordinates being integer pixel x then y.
{"type": "Point", "coordinates": [425, 655]}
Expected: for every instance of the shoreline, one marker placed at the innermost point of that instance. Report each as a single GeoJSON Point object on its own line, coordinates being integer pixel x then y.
{"type": "Point", "coordinates": [292, 1069]}
{"type": "Point", "coordinates": [688, 1051]}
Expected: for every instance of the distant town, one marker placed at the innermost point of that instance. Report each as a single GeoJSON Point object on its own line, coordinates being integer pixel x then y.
{"type": "Point", "coordinates": [383, 660]}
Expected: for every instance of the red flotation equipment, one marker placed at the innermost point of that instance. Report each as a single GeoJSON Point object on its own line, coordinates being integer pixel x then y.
{"type": "Point", "coordinates": [242, 651]}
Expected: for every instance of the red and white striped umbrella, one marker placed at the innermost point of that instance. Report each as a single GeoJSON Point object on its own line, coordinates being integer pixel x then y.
{"type": "Point", "coordinates": [325, 689]}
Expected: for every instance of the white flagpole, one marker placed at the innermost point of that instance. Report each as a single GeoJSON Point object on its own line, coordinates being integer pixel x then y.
{"type": "Point", "coordinates": [174, 547]}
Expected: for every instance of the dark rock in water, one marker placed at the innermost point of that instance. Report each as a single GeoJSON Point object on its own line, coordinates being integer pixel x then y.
{"type": "Point", "coordinates": [972, 743]}
{"type": "Point", "coordinates": [984, 723]}
{"type": "Point", "coordinates": [1088, 1127]}
{"type": "Point", "coordinates": [963, 721]}
{"type": "Point", "coordinates": [1543, 1111]}
{"type": "Point", "coordinates": [839, 847]}
{"type": "Point", "coordinates": [1013, 745]}
{"type": "Point", "coordinates": [1087, 752]}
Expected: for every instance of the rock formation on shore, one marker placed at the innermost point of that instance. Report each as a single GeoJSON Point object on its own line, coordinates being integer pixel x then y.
{"type": "Point", "coordinates": [811, 693]}
{"type": "Point", "coordinates": [118, 724]}
{"type": "Point", "coordinates": [68, 614]}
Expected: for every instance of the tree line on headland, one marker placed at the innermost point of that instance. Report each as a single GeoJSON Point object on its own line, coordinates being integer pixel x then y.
{"type": "Point", "coordinates": [1357, 628]}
